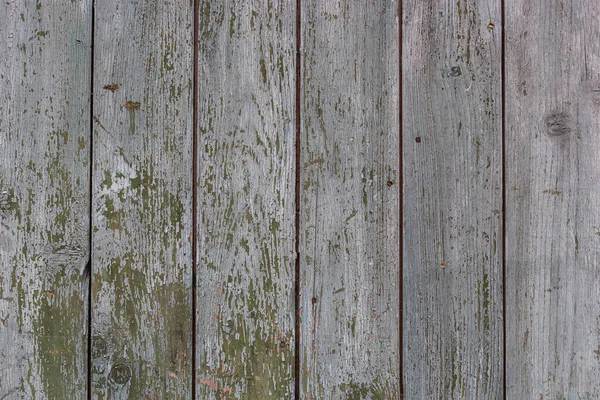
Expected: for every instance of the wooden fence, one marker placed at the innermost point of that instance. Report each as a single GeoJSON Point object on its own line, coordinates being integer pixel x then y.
{"type": "Point", "coordinates": [312, 199]}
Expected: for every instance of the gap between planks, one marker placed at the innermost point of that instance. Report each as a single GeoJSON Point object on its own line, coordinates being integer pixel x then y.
{"type": "Point", "coordinates": [194, 192]}
{"type": "Point", "coordinates": [297, 200]}
{"type": "Point", "coordinates": [90, 221]}
{"type": "Point", "coordinates": [503, 183]}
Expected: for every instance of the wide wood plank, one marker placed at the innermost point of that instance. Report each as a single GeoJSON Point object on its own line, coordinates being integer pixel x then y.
{"type": "Point", "coordinates": [553, 200]}
{"type": "Point", "coordinates": [452, 163]}
{"type": "Point", "coordinates": [349, 223]}
{"type": "Point", "coordinates": [246, 199]}
{"type": "Point", "coordinates": [44, 198]}
{"type": "Point", "coordinates": [142, 200]}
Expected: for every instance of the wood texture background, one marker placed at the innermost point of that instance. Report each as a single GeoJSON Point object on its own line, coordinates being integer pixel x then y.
{"type": "Point", "coordinates": [45, 73]}
{"type": "Point", "coordinates": [142, 200]}
{"type": "Point", "coordinates": [349, 194]}
{"type": "Point", "coordinates": [246, 201]}
{"type": "Point", "coordinates": [553, 200]}
{"type": "Point", "coordinates": [452, 160]}
{"type": "Point", "coordinates": [393, 199]}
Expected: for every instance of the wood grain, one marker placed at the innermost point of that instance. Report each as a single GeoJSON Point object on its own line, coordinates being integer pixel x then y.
{"type": "Point", "coordinates": [246, 200]}
{"type": "Point", "coordinates": [452, 285]}
{"type": "Point", "coordinates": [142, 200]}
{"type": "Point", "coordinates": [44, 198]}
{"type": "Point", "coordinates": [553, 200]}
{"type": "Point", "coordinates": [349, 222]}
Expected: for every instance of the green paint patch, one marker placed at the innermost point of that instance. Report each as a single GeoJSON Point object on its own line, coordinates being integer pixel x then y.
{"type": "Point", "coordinates": [107, 182]}
{"type": "Point", "coordinates": [81, 142]}
{"type": "Point", "coordinates": [232, 24]}
{"type": "Point", "coordinates": [114, 218]}
{"type": "Point", "coordinates": [486, 302]}
{"type": "Point", "coordinates": [138, 303]}
{"type": "Point", "coordinates": [371, 390]}
{"type": "Point", "coordinates": [352, 215]}
{"type": "Point", "coordinates": [113, 87]}
{"type": "Point", "coordinates": [552, 192]}
{"type": "Point", "coordinates": [132, 105]}
{"type": "Point", "coordinates": [59, 336]}
{"type": "Point", "coordinates": [263, 70]}
{"type": "Point", "coordinates": [244, 244]}
{"type": "Point", "coordinates": [267, 361]}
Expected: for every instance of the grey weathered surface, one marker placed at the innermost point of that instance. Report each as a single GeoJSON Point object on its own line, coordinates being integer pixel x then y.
{"type": "Point", "coordinates": [44, 201]}
{"type": "Point", "coordinates": [246, 205]}
{"type": "Point", "coordinates": [142, 200]}
{"type": "Point", "coordinates": [349, 224]}
{"type": "Point", "coordinates": [553, 200]}
{"type": "Point", "coordinates": [452, 286]}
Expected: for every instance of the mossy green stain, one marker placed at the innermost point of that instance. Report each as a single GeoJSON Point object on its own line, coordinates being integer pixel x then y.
{"type": "Point", "coordinates": [373, 390]}
{"type": "Point", "coordinates": [274, 226]}
{"type": "Point", "coordinates": [107, 182]}
{"type": "Point", "coordinates": [266, 353]}
{"type": "Point", "coordinates": [263, 70]}
{"type": "Point", "coordinates": [232, 24]}
{"type": "Point", "coordinates": [244, 244]}
{"type": "Point", "coordinates": [114, 218]}
{"type": "Point", "coordinates": [82, 144]}
{"type": "Point", "coordinates": [131, 122]}
{"type": "Point", "coordinates": [59, 335]}
{"type": "Point", "coordinates": [168, 306]}
{"type": "Point", "coordinates": [486, 302]}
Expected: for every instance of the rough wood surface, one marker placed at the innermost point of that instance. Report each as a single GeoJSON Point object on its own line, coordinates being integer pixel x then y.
{"type": "Point", "coordinates": [142, 200]}
{"type": "Point", "coordinates": [349, 224]}
{"type": "Point", "coordinates": [553, 200]}
{"type": "Point", "coordinates": [44, 198]}
{"type": "Point", "coordinates": [246, 205]}
{"type": "Point", "coordinates": [452, 286]}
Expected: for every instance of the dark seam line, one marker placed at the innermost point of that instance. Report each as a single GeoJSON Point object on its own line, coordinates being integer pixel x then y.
{"type": "Point", "coordinates": [297, 201]}
{"type": "Point", "coordinates": [503, 155]}
{"type": "Point", "coordinates": [194, 192]}
{"type": "Point", "coordinates": [88, 267]}
{"type": "Point", "coordinates": [400, 203]}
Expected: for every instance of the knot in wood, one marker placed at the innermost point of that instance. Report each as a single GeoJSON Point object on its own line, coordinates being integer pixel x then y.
{"type": "Point", "coordinates": [558, 123]}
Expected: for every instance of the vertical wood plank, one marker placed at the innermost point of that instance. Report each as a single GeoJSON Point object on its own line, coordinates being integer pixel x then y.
{"type": "Point", "coordinates": [349, 224]}
{"type": "Point", "coordinates": [553, 200]}
{"type": "Point", "coordinates": [452, 294]}
{"type": "Point", "coordinates": [246, 199]}
{"type": "Point", "coordinates": [142, 200]}
{"type": "Point", "coordinates": [44, 198]}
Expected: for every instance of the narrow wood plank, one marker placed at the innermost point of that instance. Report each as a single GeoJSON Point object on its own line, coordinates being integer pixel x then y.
{"type": "Point", "coordinates": [246, 200]}
{"type": "Point", "coordinates": [349, 224]}
{"type": "Point", "coordinates": [452, 293]}
{"type": "Point", "coordinates": [44, 198]}
{"type": "Point", "coordinates": [553, 200]}
{"type": "Point", "coordinates": [142, 200]}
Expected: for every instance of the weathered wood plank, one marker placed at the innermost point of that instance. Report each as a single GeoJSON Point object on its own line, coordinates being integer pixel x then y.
{"type": "Point", "coordinates": [44, 198]}
{"type": "Point", "coordinates": [349, 224]}
{"type": "Point", "coordinates": [246, 199]}
{"type": "Point", "coordinates": [452, 293]}
{"type": "Point", "coordinates": [553, 200]}
{"type": "Point", "coordinates": [142, 200]}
